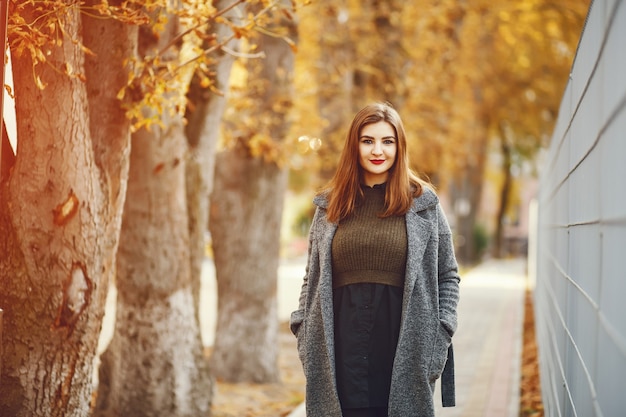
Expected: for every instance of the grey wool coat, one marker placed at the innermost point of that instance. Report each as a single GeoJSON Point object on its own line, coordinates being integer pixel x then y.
{"type": "Point", "coordinates": [429, 315]}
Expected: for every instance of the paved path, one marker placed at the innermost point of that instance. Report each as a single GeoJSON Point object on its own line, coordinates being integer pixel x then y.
{"type": "Point", "coordinates": [487, 345]}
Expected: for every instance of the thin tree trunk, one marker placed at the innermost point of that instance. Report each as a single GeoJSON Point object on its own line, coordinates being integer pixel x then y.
{"type": "Point", "coordinates": [505, 191]}
{"type": "Point", "coordinates": [59, 227]}
{"type": "Point", "coordinates": [469, 155]}
{"type": "Point", "coordinates": [245, 219]}
{"type": "Point", "coordinates": [467, 184]}
{"type": "Point", "coordinates": [202, 131]}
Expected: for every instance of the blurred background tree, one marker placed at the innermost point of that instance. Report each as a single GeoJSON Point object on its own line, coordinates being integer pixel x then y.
{"type": "Point", "coordinates": [247, 202]}
{"type": "Point", "coordinates": [475, 82]}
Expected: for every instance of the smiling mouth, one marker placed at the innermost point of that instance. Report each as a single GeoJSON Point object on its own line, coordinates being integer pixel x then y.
{"type": "Point", "coordinates": [377, 161]}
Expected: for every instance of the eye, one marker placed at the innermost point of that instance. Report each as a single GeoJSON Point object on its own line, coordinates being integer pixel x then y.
{"type": "Point", "coordinates": [367, 141]}
{"type": "Point", "coordinates": [389, 141]}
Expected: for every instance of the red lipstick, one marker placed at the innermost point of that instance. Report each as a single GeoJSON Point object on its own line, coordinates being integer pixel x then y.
{"type": "Point", "coordinates": [377, 161]}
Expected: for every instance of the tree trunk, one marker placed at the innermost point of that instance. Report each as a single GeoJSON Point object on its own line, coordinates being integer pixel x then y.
{"type": "Point", "coordinates": [155, 363]}
{"type": "Point", "coordinates": [392, 61]}
{"type": "Point", "coordinates": [380, 73]}
{"type": "Point", "coordinates": [505, 192]}
{"type": "Point", "coordinates": [245, 219]}
{"type": "Point", "coordinates": [112, 42]}
{"type": "Point", "coordinates": [204, 117]}
{"type": "Point", "coordinates": [7, 156]}
{"type": "Point", "coordinates": [245, 223]}
{"type": "Point", "coordinates": [155, 360]}
{"type": "Point", "coordinates": [468, 185]}
{"type": "Point", "coordinates": [469, 128]}
{"type": "Point", "coordinates": [59, 228]}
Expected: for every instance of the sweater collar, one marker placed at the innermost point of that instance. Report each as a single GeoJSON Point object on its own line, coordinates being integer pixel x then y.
{"type": "Point", "coordinates": [382, 186]}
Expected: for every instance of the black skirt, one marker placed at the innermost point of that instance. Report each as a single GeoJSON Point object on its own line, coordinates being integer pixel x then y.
{"type": "Point", "coordinates": [367, 326]}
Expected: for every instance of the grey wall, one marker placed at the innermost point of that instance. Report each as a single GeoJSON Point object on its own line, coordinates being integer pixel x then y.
{"type": "Point", "coordinates": [580, 302]}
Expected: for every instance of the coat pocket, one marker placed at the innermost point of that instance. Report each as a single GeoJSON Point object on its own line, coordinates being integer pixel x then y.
{"type": "Point", "coordinates": [295, 321]}
{"type": "Point", "coordinates": [440, 353]}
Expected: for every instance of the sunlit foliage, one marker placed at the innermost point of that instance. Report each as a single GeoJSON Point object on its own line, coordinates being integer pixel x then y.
{"type": "Point", "coordinates": [158, 78]}
{"type": "Point", "coordinates": [462, 70]}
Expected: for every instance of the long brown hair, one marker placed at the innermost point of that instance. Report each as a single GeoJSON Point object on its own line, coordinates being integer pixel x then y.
{"type": "Point", "coordinates": [344, 189]}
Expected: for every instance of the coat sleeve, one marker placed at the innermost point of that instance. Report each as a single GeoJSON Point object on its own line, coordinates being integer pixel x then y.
{"type": "Point", "coordinates": [448, 280]}
{"type": "Point", "coordinates": [297, 316]}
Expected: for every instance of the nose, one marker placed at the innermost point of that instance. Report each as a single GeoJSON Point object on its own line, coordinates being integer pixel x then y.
{"type": "Point", "coordinates": [377, 148]}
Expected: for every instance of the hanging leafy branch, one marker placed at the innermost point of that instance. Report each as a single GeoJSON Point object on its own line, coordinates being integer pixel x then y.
{"type": "Point", "coordinates": [158, 80]}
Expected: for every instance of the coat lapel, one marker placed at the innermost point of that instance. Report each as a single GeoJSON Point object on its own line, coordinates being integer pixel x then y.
{"type": "Point", "coordinates": [418, 232]}
{"type": "Point", "coordinates": [326, 283]}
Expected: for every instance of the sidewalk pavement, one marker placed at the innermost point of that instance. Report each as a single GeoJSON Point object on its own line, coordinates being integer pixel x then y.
{"type": "Point", "coordinates": [488, 342]}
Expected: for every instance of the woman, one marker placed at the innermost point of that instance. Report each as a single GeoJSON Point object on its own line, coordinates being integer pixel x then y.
{"type": "Point", "coordinates": [378, 304]}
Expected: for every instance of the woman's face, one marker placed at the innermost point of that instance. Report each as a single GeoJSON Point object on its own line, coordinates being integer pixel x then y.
{"type": "Point", "coordinates": [377, 151]}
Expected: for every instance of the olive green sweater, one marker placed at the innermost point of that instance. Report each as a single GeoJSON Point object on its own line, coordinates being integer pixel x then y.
{"type": "Point", "coordinates": [368, 248]}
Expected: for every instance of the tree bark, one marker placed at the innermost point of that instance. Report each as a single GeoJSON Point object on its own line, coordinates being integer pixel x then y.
{"type": "Point", "coordinates": [155, 362]}
{"type": "Point", "coordinates": [245, 224]}
{"type": "Point", "coordinates": [59, 228]}
{"type": "Point", "coordinates": [112, 42]}
{"type": "Point", "coordinates": [7, 156]}
{"type": "Point", "coordinates": [245, 219]}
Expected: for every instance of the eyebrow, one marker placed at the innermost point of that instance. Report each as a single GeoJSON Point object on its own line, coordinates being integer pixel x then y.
{"type": "Point", "coordinates": [372, 137]}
